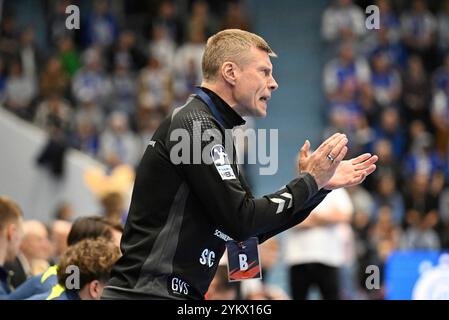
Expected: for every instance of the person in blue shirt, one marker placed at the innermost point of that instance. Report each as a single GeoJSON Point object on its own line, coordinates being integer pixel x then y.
{"type": "Point", "coordinates": [10, 238]}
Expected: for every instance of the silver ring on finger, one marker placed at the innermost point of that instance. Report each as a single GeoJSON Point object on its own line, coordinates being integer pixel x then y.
{"type": "Point", "coordinates": [329, 156]}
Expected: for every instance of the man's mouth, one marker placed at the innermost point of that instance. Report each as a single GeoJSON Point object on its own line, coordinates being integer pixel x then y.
{"type": "Point", "coordinates": [265, 98]}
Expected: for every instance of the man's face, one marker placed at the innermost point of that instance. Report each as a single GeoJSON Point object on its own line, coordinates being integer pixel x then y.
{"type": "Point", "coordinates": [254, 84]}
{"type": "Point", "coordinates": [15, 239]}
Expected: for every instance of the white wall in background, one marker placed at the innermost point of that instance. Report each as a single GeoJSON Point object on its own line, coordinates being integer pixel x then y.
{"type": "Point", "coordinates": [37, 192]}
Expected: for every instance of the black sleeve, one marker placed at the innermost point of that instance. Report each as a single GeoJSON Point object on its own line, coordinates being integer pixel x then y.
{"type": "Point", "coordinates": [298, 217]}
{"type": "Point", "coordinates": [231, 208]}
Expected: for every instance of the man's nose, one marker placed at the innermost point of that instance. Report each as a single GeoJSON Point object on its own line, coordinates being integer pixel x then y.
{"type": "Point", "coordinates": [273, 85]}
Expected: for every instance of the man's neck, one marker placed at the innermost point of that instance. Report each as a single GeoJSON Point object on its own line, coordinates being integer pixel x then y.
{"type": "Point", "coordinates": [224, 92]}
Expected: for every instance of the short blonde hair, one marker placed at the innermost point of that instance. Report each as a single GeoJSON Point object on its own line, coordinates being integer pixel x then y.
{"type": "Point", "coordinates": [230, 45]}
{"type": "Point", "coordinates": [9, 212]}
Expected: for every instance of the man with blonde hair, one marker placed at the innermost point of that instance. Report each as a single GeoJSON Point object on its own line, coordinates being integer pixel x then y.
{"type": "Point", "coordinates": [189, 197]}
{"type": "Point", "coordinates": [10, 238]}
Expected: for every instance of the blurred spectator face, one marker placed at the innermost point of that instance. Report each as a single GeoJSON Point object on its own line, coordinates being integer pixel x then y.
{"type": "Point", "coordinates": [61, 6]}
{"type": "Point", "coordinates": [382, 35]}
{"type": "Point", "coordinates": [92, 59]}
{"type": "Point", "coordinates": [387, 185]}
{"type": "Point", "coordinates": [27, 37]}
{"type": "Point", "coordinates": [15, 69]}
{"type": "Point", "coordinates": [419, 6]}
{"type": "Point", "coordinates": [384, 6]}
{"type": "Point", "coordinates": [65, 45]}
{"type": "Point", "coordinates": [200, 9]}
{"type": "Point", "coordinates": [421, 183]}
{"type": "Point", "coordinates": [60, 231]}
{"type": "Point", "coordinates": [85, 129]}
{"type": "Point", "coordinates": [35, 244]}
{"type": "Point", "coordinates": [385, 215]}
{"type": "Point", "coordinates": [64, 212]}
{"type": "Point", "coordinates": [126, 40]}
{"type": "Point", "coordinates": [380, 63]}
{"type": "Point", "coordinates": [390, 120]}
{"type": "Point", "coordinates": [53, 65]}
{"type": "Point", "coordinates": [197, 35]}
{"type": "Point", "coordinates": [159, 33]}
{"type": "Point", "coordinates": [14, 235]}
{"type": "Point", "coordinates": [347, 53]}
{"type": "Point", "coordinates": [344, 3]}
{"type": "Point", "coordinates": [383, 149]}
{"type": "Point", "coordinates": [101, 7]}
{"type": "Point", "coordinates": [167, 9]}
{"type": "Point", "coordinates": [415, 65]}
{"type": "Point", "coordinates": [118, 122]}
{"type": "Point", "coordinates": [416, 128]}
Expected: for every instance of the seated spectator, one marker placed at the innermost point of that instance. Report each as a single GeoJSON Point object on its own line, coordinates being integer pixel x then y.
{"type": "Point", "coordinates": [85, 137]}
{"type": "Point", "coordinates": [386, 165]}
{"type": "Point", "coordinates": [155, 85]}
{"type": "Point", "coordinates": [389, 21]}
{"type": "Point", "coordinates": [123, 96]}
{"type": "Point", "coordinates": [390, 128]}
{"type": "Point", "coordinates": [64, 211]}
{"type": "Point", "coordinates": [440, 119]}
{"type": "Point", "coordinates": [422, 157]}
{"type": "Point", "coordinates": [45, 286]}
{"type": "Point", "coordinates": [53, 79]}
{"type": "Point", "coordinates": [10, 239]}
{"type": "Point", "coordinates": [59, 232]}
{"type": "Point", "coordinates": [94, 260]}
{"type": "Point", "coordinates": [20, 91]}
{"type": "Point", "coordinates": [35, 253]}
{"type": "Point", "coordinates": [90, 83]}
{"type": "Point", "coordinates": [68, 55]}
{"type": "Point", "coordinates": [382, 44]}
{"type": "Point", "coordinates": [126, 52]}
{"type": "Point", "coordinates": [342, 20]}
{"type": "Point", "coordinates": [418, 30]}
{"type": "Point", "coordinates": [441, 77]}
{"type": "Point", "coordinates": [421, 217]}
{"type": "Point", "coordinates": [56, 24]}
{"type": "Point", "coordinates": [101, 26]}
{"type": "Point", "coordinates": [162, 48]}
{"type": "Point", "coordinates": [118, 145]}
{"type": "Point", "coordinates": [416, 91]}
{"type": "Point", "coordinates": [235, 17]}
{"type": "Point", "coordinates": [385, 81]}
{"type": "Point", "coordinates": [345, 71]}
{"type": "Point", "coordinates": [388, 195]}
{"type": "Point", "coordinates": [443, 26]}
{"type": "Point", "coordinates": [187, 67]}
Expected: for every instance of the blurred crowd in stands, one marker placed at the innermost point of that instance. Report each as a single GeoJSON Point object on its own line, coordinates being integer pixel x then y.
{"type": "Point", "coordinates": [104, 89]}
{"type": "Point", "coordinates": [388, 90]}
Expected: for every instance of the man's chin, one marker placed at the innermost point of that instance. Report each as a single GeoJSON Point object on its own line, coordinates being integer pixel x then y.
{"type": "Point", "coordinates": [261, 111]}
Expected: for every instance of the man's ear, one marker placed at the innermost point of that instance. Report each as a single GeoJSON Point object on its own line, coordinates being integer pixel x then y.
{"type": "Point", "coordinates": [229, 72]}
{"type": "Point", "coordinates": [11, 231]}
{"type": "Point", "coordinates": [95, 289]}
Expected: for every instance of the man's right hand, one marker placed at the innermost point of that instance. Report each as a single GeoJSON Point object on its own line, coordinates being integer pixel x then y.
{"type": "Point", "coordinates": [323, 162]}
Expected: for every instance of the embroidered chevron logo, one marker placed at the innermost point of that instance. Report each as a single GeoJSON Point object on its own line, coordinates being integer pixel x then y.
{"type": "Point", "coordinates": [281, 201]}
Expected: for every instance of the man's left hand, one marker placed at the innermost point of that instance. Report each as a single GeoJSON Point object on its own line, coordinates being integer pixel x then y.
{"type": "Point", "coordinates": [352, 172]}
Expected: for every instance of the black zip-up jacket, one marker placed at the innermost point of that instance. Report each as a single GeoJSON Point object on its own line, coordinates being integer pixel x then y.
{"type": "Point", "coordinates": [182, 214]}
